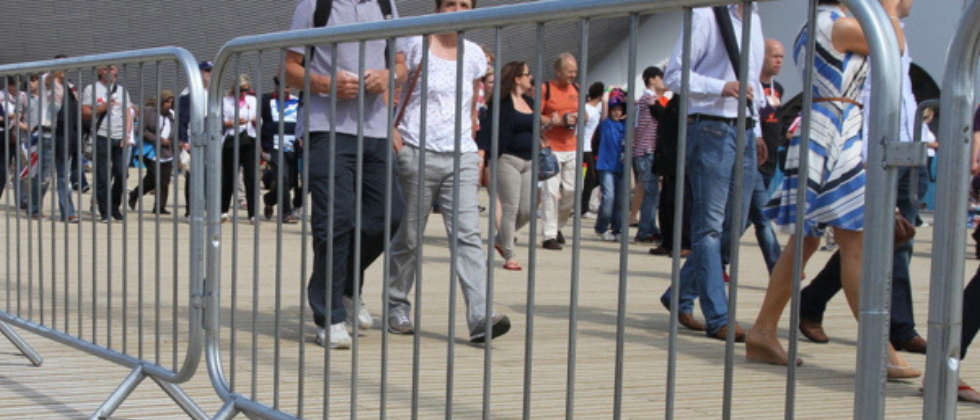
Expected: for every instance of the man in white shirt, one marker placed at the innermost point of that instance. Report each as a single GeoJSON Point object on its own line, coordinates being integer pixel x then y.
{"type": "Point", "coordinates": [712, 126]}
{"type": "Point", "coordinates": [106, 104]}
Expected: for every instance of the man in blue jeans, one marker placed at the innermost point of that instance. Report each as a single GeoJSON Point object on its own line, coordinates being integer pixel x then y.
{"type": "Point", "coordinates": [373, 181]}
{"type": "Point", "coordinates": [711, 151]}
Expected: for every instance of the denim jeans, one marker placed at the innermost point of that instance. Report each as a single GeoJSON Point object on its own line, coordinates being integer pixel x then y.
{"type": "Point", "coordinates": [765, 236]}
{"type": "Point", "coordinates": [643, 165]}
{"type": "Point", "coordinates": [110, 165]}
{"type": "Point", "coordinates": [814, 297]}
{"type": "Point", "coordinates": [374, 181]}
{"type": "Point", "coordinates": [610, 212]}
{"type": "Point", "coordinates": [711, 164]}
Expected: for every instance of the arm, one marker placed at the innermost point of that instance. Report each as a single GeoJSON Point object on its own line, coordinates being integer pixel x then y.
{"type": "Point", "coordinates": [150, 125]}
{"type": "Point", "coordinates": [975, 154]}
{"type": "Point", "coordinates": [474, 109]}
{"type": "Point", "coordinates": [848, 36]}
{"type": "Point", "coordinates": [701, 86]}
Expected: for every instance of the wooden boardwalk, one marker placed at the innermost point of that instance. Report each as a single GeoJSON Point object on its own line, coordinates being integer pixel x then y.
{"type": "Point", "coordinates": [71, 384]}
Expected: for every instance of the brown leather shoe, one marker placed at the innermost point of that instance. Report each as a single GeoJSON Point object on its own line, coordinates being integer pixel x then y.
{"type": "Point", "coordinates": [551, 244]}
{"type": "Point", "coordinates": [915, 345]}
{"type": "Point", "coordinates": [690, 322]}
{"type": "Point", "coordinates": [813, 331]}
{"type": "Point", "coordinates": [722, 334]}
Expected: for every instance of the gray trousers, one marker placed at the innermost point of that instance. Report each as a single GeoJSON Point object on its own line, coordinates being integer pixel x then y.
{"type": "Point", "coordinates": [470, 259]}
{"type": "Point", "coordinates": [514, 189]}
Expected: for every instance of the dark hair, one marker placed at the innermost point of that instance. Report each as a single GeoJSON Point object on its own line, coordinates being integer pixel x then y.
{"type": "Point", "coordinates": [828, 2]}
{"type": "Point", "coordinates": [275, 80]}
{"type": "Point", "coordinates": [651, 73]}
{"type": "Point", "coordinates": [596, 90]}
{"type": "Point", "coordinates": [60, 56]}
{"type": "Point", "coordinates": [508, 77]}
{"type": "Point", "coordinates": [439, 4]}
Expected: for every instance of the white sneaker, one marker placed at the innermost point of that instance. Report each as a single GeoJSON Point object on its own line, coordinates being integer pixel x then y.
{"type": "Point", "coordinates": [225, 218]}
{"type": "Point", "coordinates": [339, 337]}
{"type": "Point", "coordinates": [610, 237]}
{"type": "Point", "coordinates": [364, 318]}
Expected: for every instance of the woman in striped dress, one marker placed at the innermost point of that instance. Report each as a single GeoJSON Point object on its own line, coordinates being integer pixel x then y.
{"type": "Point", "coordinates": [835, 180]}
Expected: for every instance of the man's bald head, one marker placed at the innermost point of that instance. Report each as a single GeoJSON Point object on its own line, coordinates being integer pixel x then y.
{"type": "Point", "coordinates": [774, 60]}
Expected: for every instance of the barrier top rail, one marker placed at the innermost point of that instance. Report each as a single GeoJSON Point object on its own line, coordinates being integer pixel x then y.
{"type": "Point", "coordinates": [187, 64]}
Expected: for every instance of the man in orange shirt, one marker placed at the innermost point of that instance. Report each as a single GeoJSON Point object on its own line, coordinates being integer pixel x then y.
{"type": "Point", "coordinates": [559, 108]}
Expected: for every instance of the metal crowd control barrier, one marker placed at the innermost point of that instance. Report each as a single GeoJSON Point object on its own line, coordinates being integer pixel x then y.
{"type": "Point", "coordinates": [118, 291]}
{"type": "Point", "coordinates": [953, 169]}
{"type": "Point", "coordinates": [266, 315]}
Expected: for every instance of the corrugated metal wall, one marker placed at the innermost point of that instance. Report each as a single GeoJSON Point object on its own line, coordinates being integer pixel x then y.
{"type": "Point", "coordinates": [39, 29]}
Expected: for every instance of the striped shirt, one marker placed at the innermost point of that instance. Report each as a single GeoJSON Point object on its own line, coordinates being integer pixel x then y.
{"type": "Point", "coordinates": [646, 126]}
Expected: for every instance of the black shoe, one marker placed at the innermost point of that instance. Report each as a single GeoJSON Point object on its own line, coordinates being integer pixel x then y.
{"type": "Point", "coordinates": [560, 238]}
{"type": "Point", "coordinates": [116, 214]}
{"type": "Point", "coordinates": [132, 201]}
{"type": "Point", "coordinates": [500, 326]}
{"type": "Point", "coordinates": [163, 211]}
{"type": "Point", "coordinates": [551, 244]}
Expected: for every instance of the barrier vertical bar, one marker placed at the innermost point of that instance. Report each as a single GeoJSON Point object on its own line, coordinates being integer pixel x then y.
{"type": "Point", "coordinates": [416, 338]}
{"type": "Point", "coordinates": [804, 168]}
{"type": "Point", "coordinates": [869, 401]}
{"type": "Point", "coordinates": [386, 258]}
{"type": "Point", "coordinates": [492, 231]}
{"type": "Point", "coordinates": [454, 238]}
{"type": "Point", "coordinates": [675, 253]}
{"type": "Point", "coordinates": [631, 119]}
{"type": "Point", "coordinates": [358, 220]}
{"type": "Point", "coordinates": [735, 226]}
{"type": "Point", "coordinates": [532, 248]}
{"type": "Point", "coordinates": [577, 242]}
{"type": "Point", "coordinates": [945, 290]}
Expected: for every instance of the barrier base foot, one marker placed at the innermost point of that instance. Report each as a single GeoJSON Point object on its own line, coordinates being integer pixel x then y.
{"type": "Point", "coordinates": [21, 345]}
{"type": "Point", "coordinates": [129, 385]}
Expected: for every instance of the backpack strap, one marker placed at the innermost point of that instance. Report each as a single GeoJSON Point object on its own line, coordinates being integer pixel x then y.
{"type": "Point", "coordinates": [322, 13]}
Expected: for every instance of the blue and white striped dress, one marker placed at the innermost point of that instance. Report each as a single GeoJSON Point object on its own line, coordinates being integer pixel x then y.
{"type": "Point", "coordinates": [835, 180]}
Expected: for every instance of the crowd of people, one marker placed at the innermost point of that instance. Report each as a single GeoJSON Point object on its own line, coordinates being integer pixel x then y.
{"type": "Point", "coordinates": [440, 162]}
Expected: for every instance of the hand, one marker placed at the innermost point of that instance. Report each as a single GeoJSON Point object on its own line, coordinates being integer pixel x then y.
{"type": "Point", "coordinates": [975, 169]}
{"type": "Point", "coordinates": [376, 81]}
{"type": "Point", "coordinates": [397, 143]}
{"type": "Point", "coordinates": [185, 146]}
{"type": "Point", "coordinates": [347, 85]}
{"type": "Point", "coordinates": [242, 120]}
{"type": "Point", "coordinates": [731, 90]}
{"type": "Point", "coordinates": [761, 151]}
{"type": "Point", "coordinates": [555, 119]}
{"type": "Point", "coordinates": [571, 119]}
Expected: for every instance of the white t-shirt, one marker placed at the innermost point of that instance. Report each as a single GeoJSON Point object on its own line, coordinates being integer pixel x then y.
{"type": "Point", "coordinates": [440, 111]}
{"type": "Point", "coordinates": [166, 127]}
{"type": "Point", "coordinates": [247, 108]}
{"type": "Point", "coordinates": [594, 113]}
{"type": "Point", "coordinates": [113, 124]}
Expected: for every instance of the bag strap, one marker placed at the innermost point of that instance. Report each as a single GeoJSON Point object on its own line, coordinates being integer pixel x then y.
{"type": "Point", "coordinates": [724, 20]}
{"type": "Point", "coordinates": [413, 80]}
{"type": "Point", "coordinates": [98, 123]}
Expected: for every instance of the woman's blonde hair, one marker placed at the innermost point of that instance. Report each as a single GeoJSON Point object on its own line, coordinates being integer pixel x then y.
{"type": "Point", "coordinates": [243, 80]}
